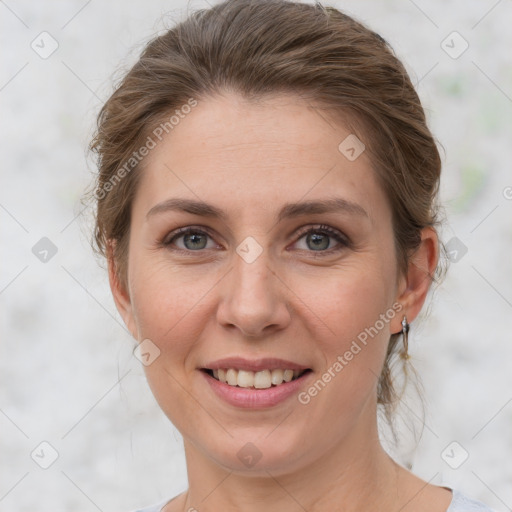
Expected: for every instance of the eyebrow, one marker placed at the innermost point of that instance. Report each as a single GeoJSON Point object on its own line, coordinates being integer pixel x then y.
{"type": "Point", "coordinates": [289, 210]}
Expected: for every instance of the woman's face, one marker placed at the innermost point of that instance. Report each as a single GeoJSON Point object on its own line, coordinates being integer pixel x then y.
{"type": "Point", "coordinates": [267, 277]}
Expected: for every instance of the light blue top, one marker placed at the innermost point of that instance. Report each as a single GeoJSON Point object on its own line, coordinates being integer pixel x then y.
{"type": "Point", "coordinates": [460, 503]}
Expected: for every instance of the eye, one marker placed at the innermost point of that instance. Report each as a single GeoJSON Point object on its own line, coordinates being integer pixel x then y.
{"type": "Point", "coordinates": [318, 239]}
{"type": "Point", "coordinates": [192, 239]}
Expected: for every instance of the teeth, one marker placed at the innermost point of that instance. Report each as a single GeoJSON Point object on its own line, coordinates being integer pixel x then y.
{"type": "Point", "coordinates": [263, 379]}
{"type": "Point", "coordinates": [231, 377]}
{"type": "Point", "coordinates": [277, 377]}
{"type": "Point", "coordinates": [245, 379]}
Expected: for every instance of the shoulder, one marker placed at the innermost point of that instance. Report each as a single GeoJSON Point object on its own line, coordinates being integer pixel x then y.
{"type": "Point", "coordinates": [462, 503]}
{"type": "Point", "coordinates": [157, 507]}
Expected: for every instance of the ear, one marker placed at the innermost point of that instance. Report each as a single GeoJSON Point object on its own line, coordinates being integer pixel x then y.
{"type": "Point", "coordinates": [415, 285]}
{"type": "Point", "coordinates": [119, 292]}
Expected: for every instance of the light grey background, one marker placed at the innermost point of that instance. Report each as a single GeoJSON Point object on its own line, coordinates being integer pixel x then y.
{"type": "Point", "coordinates": [67, 373]}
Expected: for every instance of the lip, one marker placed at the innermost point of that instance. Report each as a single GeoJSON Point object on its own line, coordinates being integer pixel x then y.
{"type": "Point", "coordinates": [254, 365]}
{"type": "Point", "coordinates": [256, 398]}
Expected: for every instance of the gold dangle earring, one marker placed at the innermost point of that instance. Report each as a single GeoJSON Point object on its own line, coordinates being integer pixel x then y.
{"type": "Point", "coordinates": [405, 333]}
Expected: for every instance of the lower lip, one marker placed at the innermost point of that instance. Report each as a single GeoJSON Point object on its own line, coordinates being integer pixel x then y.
{"type": "Point", "coordinates": [250, 398]}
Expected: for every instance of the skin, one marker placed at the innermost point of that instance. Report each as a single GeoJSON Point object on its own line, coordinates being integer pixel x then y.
{"type": "Point", "coordinates": [249, 159]}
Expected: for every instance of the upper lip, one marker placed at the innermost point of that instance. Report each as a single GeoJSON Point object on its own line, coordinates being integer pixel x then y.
{"type": "Point", "coordinates": [254, 365]}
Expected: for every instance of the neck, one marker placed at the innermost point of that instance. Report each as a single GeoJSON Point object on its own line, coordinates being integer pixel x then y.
{"type": "Point", "coordinates": [355, 475]}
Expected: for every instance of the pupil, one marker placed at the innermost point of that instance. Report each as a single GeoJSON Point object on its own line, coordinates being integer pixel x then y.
{"type": "Point", "coordinates": [194, 238]}
{"type": "Point", "coordinates": [317, 240]}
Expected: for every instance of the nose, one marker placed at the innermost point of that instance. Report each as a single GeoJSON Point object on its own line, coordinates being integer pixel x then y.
{"type": "Point", "coordinates": [254, 298]}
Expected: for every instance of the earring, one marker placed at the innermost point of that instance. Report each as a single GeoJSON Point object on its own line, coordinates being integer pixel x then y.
{"type": "Point", "coordinates": [405, 333]}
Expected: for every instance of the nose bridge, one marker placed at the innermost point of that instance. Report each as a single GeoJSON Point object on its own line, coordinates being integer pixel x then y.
{"type": "Point", "coordinates": [252, 275]}
{"type": "Point", "coordinates": [253, 298]}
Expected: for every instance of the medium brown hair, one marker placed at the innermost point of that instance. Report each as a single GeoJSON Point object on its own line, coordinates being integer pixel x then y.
{"type": "Point", "coordinates": [260, 48]}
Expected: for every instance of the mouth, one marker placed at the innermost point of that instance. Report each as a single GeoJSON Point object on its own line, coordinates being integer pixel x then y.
{"type": "Point", "coordinates": [262, 379]}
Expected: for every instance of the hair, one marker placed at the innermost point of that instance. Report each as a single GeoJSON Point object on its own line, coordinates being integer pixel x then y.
{"type": "Point", "coordinates": [257, 49]}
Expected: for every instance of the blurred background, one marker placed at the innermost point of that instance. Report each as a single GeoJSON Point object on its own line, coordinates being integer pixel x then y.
{"type": "Point", "coordinates": [79, 428]}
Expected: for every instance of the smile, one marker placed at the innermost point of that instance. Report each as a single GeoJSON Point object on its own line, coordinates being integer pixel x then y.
{"type": "Point", "coordinates": [263, 379]}
{"type": "Point", "coordinates": [255, 383]}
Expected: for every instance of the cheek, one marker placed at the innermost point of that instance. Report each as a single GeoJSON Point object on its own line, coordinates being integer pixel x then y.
{"type": "Point", "coordinates": [355, 308]}
{"type": "Point", "coordinates": [348, 300]}
{"type": "Point", "coordinates": [162, 296]}
{"type": "Point", "coordinates": [168, 305]}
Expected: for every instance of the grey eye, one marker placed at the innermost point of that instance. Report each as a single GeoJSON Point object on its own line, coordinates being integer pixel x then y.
{"type": "Point", "coordinates": [318, 241]}
{"type": "Point", "coordinates": [193, 241]}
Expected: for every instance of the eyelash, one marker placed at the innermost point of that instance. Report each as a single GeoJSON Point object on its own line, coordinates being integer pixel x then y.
{"type": "Point", "coordinates": [323, 229]}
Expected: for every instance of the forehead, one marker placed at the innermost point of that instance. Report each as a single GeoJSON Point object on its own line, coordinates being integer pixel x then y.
{"type": "Point", "coordinates": [258, 155]}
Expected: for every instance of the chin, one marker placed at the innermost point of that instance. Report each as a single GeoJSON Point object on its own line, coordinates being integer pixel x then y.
{"type": "Point", "coordinates": [256, 453]}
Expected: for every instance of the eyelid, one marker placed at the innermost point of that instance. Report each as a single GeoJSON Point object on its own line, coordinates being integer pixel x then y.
{"type": "Point", "coordinates": [325, 229]}
{"type": "Point", "coordinates": [341, 238]}
{"type": "Point", "coordinates": [176, 233]}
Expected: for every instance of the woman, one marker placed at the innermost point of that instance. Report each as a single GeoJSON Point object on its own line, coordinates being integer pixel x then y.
{"type": "Point", "coordinates": [266, 201]}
